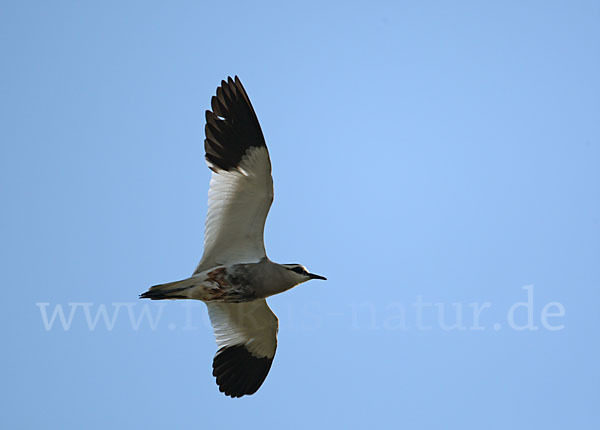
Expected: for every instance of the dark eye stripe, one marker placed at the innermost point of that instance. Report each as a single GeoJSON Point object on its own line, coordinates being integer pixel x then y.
{"type": "Point", "coordinates": [298, 270]}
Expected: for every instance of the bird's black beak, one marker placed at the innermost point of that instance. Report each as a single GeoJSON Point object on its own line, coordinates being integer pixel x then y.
{"type": "Point", "coordinates": [313, 276]}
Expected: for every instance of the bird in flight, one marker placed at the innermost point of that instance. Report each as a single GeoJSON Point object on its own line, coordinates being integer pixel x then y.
{"type": "Point", "coordinates": [235, 276]}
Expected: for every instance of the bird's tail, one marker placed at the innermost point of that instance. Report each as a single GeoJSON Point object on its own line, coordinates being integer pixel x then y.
{"type": "Point", "coordinates": [171, 290]}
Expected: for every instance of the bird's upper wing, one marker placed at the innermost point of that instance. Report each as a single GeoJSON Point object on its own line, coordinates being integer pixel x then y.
{"type": "Point", "coordinates": [241, 186]}
{"type": "Point", "coordinates": [246, 335]}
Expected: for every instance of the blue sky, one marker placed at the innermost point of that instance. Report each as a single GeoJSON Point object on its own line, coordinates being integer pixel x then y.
{"type": "Point", "coordinates": [430, 158]}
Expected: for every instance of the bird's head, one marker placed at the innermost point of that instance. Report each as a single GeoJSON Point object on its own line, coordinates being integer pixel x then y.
{"type": "Point", "coordinates": [299, 273]}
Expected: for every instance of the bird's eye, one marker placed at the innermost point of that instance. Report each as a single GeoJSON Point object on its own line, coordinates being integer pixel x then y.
{"type": "Point", "coordinates": [299, 270]}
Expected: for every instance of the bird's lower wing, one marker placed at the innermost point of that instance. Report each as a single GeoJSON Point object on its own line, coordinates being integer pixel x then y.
{"type": "Point", "coordinates": [246, 335]}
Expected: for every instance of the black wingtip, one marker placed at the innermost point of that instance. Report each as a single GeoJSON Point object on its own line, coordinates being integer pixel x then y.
{"type": "Point", "coordinates": [238, 372]}
{"type": "Point", "coordinates": [232, 127]}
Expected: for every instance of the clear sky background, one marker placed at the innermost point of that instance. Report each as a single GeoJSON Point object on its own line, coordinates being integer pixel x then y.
{"type": "Point", "coordinates": [427, 157]}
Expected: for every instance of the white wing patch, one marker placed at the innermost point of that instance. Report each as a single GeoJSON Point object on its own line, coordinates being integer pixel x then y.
{"type": "Point", "coordinates": [238, 204]}
{"type": "Point", "coordinates": [251, 324]}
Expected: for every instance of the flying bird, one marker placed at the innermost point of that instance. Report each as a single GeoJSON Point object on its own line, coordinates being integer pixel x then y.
{"type": "Point", "coordinates": [235, 276]}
